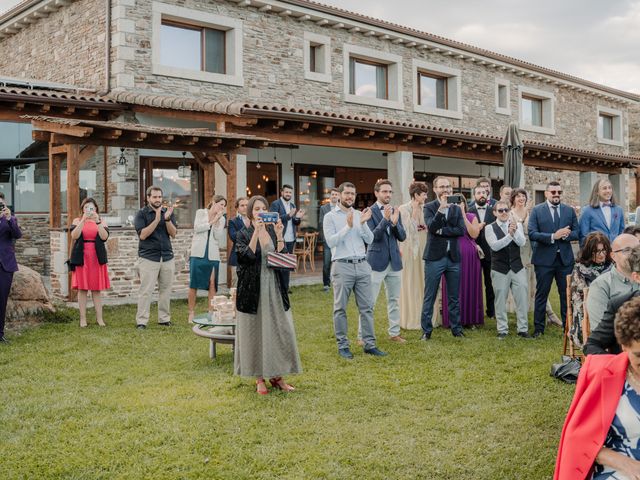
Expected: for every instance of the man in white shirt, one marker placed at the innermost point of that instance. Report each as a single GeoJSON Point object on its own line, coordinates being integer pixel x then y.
{"type": "Point", "coordinates": [347, 233]}
{"type": "Point", "coordinates": [505, 238]}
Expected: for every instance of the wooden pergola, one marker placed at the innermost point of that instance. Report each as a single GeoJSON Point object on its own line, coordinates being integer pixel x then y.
{"type": "Point", "coordinates": [76, 140]}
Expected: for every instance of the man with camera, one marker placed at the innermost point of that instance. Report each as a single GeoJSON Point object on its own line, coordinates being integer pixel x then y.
{"type": "Point", "coordinates": [505, 237]}
{"type": "Point", "coordinates": [9, 233]}
{"type": "Point", "coordinates": [156, 226]}
{"type": "Point", "coordinates": [445, 224]}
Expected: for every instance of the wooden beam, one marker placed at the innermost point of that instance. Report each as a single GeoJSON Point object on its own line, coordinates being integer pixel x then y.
{"type": "Point", "coordinates": [110, 134]}
{"type": "Point", "coordinates": [71, 130]}
{"type": "Point", "coordinates": [58, 149]}
{"type": "Point", "coordinates": [69, 110]}
{"type": "Point", "coordinates": [198, 116]}
{"type": "Point", "coordinates": [209, 178]}
{"type": "Point", "coordinates": [55, 202]}
{"type": "Point", "coordinates": [222, 161]}
{"type": "Point", "coordinates": [86, 153]}
{"type": "Point", "coordinates": [73, 183]}
{"type": "Point", "coordinates": [201, 158]}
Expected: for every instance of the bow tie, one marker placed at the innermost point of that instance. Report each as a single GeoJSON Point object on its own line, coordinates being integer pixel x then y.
{"type": "Point", "coordinates": [481, 208]}
{"type": "Point", "coordinates": [606, 204]}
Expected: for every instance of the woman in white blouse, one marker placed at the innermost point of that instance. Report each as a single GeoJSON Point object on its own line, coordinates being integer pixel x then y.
{"type": "Point", "coordinates": [204, 261]}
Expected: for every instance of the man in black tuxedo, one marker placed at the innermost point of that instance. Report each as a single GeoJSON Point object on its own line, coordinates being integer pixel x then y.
{"type": "Point", "coordinates": [484, 212]}
{"type": "Point", "coordinates": [445, 224]}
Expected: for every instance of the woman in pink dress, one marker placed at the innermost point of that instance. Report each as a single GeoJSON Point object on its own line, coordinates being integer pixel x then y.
{"type": "Point", "coordinates": [470, 290]}
{"type": "Point", "coordinates": [89, 259]}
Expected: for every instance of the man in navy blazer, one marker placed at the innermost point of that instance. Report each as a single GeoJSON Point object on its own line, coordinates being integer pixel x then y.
{"type": "Point", "coordinates": [445, 224]}
{"type": "Point", "coordinates": [9, 232]}
{"type": "Point", "coordinates": [235, 225]}
{"type": "Point", "coordinates": [383, 254]}
{"type": "Point", "coordinates": [291, 218]}
{"type": "Point", "coordinates": [553, 226]}
{"type": "Point", "coordinates": [602, 214]}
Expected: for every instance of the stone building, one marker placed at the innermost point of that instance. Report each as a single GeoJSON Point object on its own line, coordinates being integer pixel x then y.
{"type": "Point", "coordinates": [335, 95]}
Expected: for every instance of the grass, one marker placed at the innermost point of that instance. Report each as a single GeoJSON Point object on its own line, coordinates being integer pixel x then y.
{"type": "Point", "coordinates": [118, 403]}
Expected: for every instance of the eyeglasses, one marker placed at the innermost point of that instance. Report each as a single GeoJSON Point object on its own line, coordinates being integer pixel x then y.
{"type": "Point", "coordinates": [555, 192]}
{"type": "Point", "coordinates": [503, 210]}
{"type": "Point", "coordinates": [623, 250]}
{"type": "Point", "coordinates": [601, 250]}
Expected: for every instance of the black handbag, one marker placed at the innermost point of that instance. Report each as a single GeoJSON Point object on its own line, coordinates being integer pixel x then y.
{"type": "Point", "coordinates": [567, 371]}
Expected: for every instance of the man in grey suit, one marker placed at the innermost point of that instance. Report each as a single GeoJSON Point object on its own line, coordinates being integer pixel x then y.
{"type": "Point", "coordinates": [326, 250]}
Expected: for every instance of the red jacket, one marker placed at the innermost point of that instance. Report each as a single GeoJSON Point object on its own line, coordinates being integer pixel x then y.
{"type": "Point", "coordinates": [590, 415]}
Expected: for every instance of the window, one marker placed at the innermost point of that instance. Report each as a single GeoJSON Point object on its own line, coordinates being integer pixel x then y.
{"type": "Point", "coordinates": [432, 90]}
{"type": "Point", "coordinates": [317, 57]}
{"type": "Point", "coordinates": [196, 45]}
{"type": "Point", "coordinates": [192, 47]}
{"type": "Point", "coordinates": [536, 110]}
{"type": "Point", "coordinates": [437, 90]}
{"type": "Point", "coordinates": [368, 79]}
{"type": "Point", "coordinates": [610, 126]}
{"type": "Point", "coordinates": [372, 77]}
{"type": "Point", "coordinates": [503, 96]}
{"type": "Point", "coordinates": [532, 111]}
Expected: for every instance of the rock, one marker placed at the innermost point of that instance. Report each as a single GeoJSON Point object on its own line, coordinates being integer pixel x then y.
{"type": "Point", "coordinates": [28, 298]}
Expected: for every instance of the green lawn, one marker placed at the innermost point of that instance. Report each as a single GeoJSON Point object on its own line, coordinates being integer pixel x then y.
{"type": "Point", "coordinates": [118, 403]}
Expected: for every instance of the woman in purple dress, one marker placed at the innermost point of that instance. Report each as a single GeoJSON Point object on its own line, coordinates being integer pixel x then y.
{"type": "Point", "coordinates": [470, 290]}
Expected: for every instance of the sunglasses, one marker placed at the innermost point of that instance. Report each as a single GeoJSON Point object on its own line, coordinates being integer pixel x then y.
{"type": "Point", "coordinates": [555, 192]}
{"type": "Point", "coordinates": [503, 210]}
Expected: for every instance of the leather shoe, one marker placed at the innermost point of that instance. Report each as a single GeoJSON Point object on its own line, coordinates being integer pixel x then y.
{"type": "Point", "coordinates": [524, 335]}
{"type": "Point", "coordinates": [141, 326]}
{"type": "Point", "coordinates": [502, 336]}
{"type": "Point", "coordinates": [165, 324]}
{"type": "Point", "coordinates": [459, 334]}
{"type": "Point", "coordinates": [345, 353]}
{"type": "Point", "coordinates": [397, 339]}
{"type": "Point", "coordinates": [3, 339]}
{"type": "Point", "coordinates": [375, 352]}
{"type": "Point", "coordinates": [537, 334]}
{"type": "Point", "coordinates": [425, 337]}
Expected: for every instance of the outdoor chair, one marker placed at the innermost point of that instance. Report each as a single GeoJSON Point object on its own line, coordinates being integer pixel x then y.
{"type": "Point", "coordinates": [306, 252]}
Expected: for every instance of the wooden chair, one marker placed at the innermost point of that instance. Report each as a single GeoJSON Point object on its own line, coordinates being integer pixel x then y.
{"type": "Point", "coordinates": [586, 326]}
{"type": "Point", "coordinates": [306, 251]}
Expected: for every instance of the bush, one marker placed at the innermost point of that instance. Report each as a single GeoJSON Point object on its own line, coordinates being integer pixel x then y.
{"type": "Point", "coordinates": [61, 314]}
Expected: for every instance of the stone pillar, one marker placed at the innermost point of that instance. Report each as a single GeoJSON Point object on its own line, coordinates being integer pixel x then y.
{"type": "Point", "coordinates": [619, 183]}
{"type": "Point", "coordinates": [587, 181]}
{"type": "Point", "coordinates": [400, 172]}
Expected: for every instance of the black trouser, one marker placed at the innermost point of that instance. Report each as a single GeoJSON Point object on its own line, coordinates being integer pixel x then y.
{"type": "Point", "coordinates": [326, 265]}
{"type": "Point", "coordinates": [544, 278]}
{"type": "Point", "coordinates": [490, 297]}
{"type": "Point", "coordinates": [6, 278]}
{"type": "Point", "coordinates": [284, 274]}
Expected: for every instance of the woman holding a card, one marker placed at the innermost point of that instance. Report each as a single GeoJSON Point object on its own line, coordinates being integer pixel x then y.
{"type": "Point", "coordinates": [265, 336]}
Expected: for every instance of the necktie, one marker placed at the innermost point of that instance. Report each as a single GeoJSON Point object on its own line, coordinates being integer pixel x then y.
{"type": "Point", "coordinates": [556, 217]}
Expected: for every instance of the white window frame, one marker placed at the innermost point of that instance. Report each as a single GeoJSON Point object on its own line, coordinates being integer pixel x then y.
{"type": "Point", "coordinates": [617, 126]}
{"type": "Point", "coordinates": [233, 44]}
{"type": "Point", "coordinates": [548, 109]}
{"type": "Point", "coordinates": [454, 89]}
{"type": "Point", "coordinates": [394, 76]}
{"type": "Point", "coordinates": [502, 82]}
{"type": "Point", "coordinates": [325, 43]}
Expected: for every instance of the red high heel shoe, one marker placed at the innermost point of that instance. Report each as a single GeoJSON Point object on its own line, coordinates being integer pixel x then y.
{"type": "Point", "coordinates": [280, 384]}
{"type": "Point", "coordinates": [261, 391]}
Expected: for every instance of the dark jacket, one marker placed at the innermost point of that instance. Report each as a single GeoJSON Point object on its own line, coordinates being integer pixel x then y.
{"type": "Point", "coordinates": [9, 232]}
{"type": "Point", "coordinates": [384, 249]}
{"type": "Point", "coordinates": [249, 265]}
{"type": "Point", "coordinates": [541, 230]}
{"type": "Point", "coordinates": [489, 218]}
{"type": "Point", "coordinates": [77, 251]}
{"type": "Point", "coordinates": [278, 207]}
{"type": "Point", "coordinates": [603, 338]}
{"type": "Point", "coordinates": [442, 230]}
{"type": "Point", "coordinates": [235, 225]}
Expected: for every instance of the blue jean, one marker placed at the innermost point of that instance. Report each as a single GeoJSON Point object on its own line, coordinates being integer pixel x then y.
{"type": "Point", "coordinates": [433, 271]}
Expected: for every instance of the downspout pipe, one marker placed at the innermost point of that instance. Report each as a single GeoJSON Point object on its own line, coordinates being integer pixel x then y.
{"type": "Point", "coordinates": [107, 48]}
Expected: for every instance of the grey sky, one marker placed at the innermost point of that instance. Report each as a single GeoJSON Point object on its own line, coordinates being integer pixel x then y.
{"type": "Point", "coordinates": [592, 39]}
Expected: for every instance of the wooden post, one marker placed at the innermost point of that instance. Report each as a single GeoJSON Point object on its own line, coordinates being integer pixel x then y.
{"type": "Point", "coordinates": [55, 201]}
{"type": "Point", "coordinates": [637, 190]}
{"type": "Point", "coordinates": [232, 194]}
{"type": "Point", "coordinates": [209, 169]}
{"type": "Point", "coordinates": [73, 198]}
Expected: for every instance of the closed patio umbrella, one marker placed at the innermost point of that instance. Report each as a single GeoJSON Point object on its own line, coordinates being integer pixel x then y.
{"type": "Point", "coordinates": [512, 154]}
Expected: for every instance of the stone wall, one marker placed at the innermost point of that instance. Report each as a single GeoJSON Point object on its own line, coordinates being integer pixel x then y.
{"type": "Point", "coordinates": [122, 251]}
{"type": "Point", "coordinates": [274, 73]}
{"type": "Point", "coordinates": [33, 249]}
{"type": "Point", "coordinates": [68, 46]}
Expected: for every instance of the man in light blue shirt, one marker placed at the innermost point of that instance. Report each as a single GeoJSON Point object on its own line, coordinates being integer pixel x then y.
{"type": "Point", "coordinates": [346, 232]}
